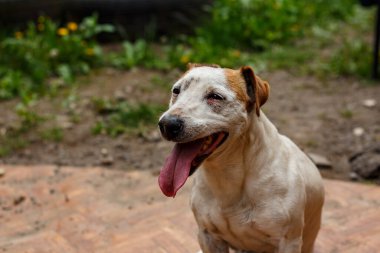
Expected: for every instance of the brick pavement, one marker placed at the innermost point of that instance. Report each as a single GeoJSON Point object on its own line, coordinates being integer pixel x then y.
{"type": "Point", "coordinates": [51, 209]}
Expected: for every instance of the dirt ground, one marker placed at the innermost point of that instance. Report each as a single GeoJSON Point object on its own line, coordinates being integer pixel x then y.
{"type": "Point", "coordinates": [319, 115]}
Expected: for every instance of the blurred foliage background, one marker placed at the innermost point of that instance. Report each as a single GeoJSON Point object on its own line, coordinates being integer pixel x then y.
{"type": "Point", "coordinates": [321, 38]}
{"type": "Point", "coordinates": [333, 37]}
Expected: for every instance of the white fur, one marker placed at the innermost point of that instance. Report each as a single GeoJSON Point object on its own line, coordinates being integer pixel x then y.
{"type": "Point", "coordinates": [258, 191]}
{"type": "Point", "coordinates": [200, 119]}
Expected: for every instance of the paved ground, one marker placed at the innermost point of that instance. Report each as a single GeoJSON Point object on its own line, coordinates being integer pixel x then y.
{"type": "Point", "coordinates": [51, 209]}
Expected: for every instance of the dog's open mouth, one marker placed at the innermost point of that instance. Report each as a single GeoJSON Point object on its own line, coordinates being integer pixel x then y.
{"type": "Point", "coordinates": [184, 159]}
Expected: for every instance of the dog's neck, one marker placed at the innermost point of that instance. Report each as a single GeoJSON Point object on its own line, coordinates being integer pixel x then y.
{"type": "Point", "coordinates": [226, 172]}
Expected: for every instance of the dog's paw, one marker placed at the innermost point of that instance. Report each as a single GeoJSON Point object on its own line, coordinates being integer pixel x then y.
{"type": "Point", "coordinates": [200, 251]}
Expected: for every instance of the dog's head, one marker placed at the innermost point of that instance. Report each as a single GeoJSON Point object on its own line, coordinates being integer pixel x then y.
{"type": "Point", "coordinates": [209, 104]}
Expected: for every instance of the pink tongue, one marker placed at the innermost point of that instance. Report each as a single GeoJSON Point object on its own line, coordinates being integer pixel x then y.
{"type": "Point", "coordinates": [177, 167]}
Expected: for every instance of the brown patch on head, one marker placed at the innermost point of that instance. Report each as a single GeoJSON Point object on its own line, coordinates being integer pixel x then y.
{"type": "Point", "coordinates": [237, 84]}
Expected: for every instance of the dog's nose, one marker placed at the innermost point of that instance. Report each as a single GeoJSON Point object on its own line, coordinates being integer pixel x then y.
{"type": "Point", "coordinates": [171, 126]}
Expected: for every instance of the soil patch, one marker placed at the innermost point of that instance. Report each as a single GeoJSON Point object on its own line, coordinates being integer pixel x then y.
{"type": "Point", "coordinates": [320, 116]}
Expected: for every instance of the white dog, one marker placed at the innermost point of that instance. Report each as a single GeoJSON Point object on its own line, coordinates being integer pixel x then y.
{"type": "Point", "coordinates": [255, 190]}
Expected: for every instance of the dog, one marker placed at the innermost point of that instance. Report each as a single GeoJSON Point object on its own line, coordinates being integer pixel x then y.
{"type": "Point", "coordinates": [254, 189]}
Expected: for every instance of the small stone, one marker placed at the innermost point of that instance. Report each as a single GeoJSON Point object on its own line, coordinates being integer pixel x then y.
{"type": "Point", "coordinates": [152, 136]}
{"type": "Point", "coordinates": [366, 163]}
{"type": "Point", "coordinates": [104, 151]}
{"type": "Point", "coordinates": [3, 131]}
{"type": "Point", "coordinates": [358, 131]}
{"type": "Point", "coordinates": [2, 172]}
{"type": "Point", "coordinates": [369, 103]}
{"type": "Point", "coordinates": [353, 176]}
{"type": "Point", "coordinates": [119, 95]}
{"type": "Point", "coordinates": [321, 161]}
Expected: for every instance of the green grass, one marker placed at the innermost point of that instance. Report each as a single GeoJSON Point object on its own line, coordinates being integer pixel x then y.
{"type": "Point", "coordinates": [321, 38]}
{"type": "Point", "coordinates": [353, 58]}
{"type": "Point", "coordinates": [11, 143]}
{"type": "Point", "coordinates": [28, 117]}
{"type": "Point", "coordinates": [46, 49]}
{"type": "Point", "coordinates": [121, 117]}
{"type": "Point", "coordinates": [54, 134]}
{"type": "Point", "coordinates": [261, 24]}
{"type": "Point", "coordinates": [268, 34]}
{"type": "Point", "coordinates": [346, 113]}
{"type": "Point", "coordinates": [264, 32]}
{"type": "Point", "coordinates": [281, 57]}
{"type": "Point", "coordinates": [132, 54]}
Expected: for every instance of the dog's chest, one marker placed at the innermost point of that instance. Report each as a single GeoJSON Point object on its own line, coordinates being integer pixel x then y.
{"type": "Point", "coordinates": [242, 227]}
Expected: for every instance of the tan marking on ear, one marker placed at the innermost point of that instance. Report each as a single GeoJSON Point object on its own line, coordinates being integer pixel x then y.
{"type": "Point", "coordinates": [237, 84]}
{"type": "Point", "coordinates": [260, 87]}
{"type": "Point", "coordinates": [262, 93]}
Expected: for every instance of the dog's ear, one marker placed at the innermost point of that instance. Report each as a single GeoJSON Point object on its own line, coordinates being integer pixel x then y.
{"type": "Point", "coordinates": [196, 65]}
{"type": "Point", "coordinates": [257, 89]}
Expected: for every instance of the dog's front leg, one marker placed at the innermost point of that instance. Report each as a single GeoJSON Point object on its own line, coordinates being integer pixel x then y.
{"type": "Point", "coordinates": [290, 246]}
{"type": "Point", "coordinates": [292, 241]}
{"type": "Point", "coordinates": [210, 244]}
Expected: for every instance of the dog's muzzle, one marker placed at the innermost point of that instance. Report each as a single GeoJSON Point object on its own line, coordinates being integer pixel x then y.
{"type": "Point", "coordinates": [171, 127]}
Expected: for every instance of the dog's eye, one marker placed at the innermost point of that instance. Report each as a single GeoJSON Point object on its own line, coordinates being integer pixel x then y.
{"type": "Point", "coordinates": [176, 91]}
{"type": "Point", "coordinates": [215, 96]}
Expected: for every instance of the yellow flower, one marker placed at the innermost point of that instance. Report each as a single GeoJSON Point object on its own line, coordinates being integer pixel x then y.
{"type": "Point", "coordinates": [89, 51]}
{"type": "Point", "coordinates": [185, 59]}
{"type": "Point", "coordinates": [41, 27]}
{"type": "Point", "coordinates": [72, 26]}
{"type": "Point", "coordinates": [62, 31]}
{"type": "Point", "coordinates": [18, 35]}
